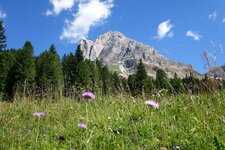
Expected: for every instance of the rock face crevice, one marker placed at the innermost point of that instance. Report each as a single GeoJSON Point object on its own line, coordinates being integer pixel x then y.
{"type": "Point", "coordinates": [114, 50]}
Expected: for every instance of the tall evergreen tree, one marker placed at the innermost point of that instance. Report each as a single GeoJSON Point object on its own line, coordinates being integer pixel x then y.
{"type": "Point", "coordinates": [161, 79]}
{"type": "Point", "coordinates": [141, 76]}
{"type": "Point", "coordinates": [131, 81]}
{"type": "Point", "coordinates": [56, 69]}
{"type": "Point", "coordinates": [192, 84]}
{"type": "Point", "coordinates": [176, 85]}
{"type": "Point", "coordinates": [83, 80]}
{"type": "Point", "coordinates": [21, 75]}
{"type": "Point", "coordinates": [76, 73]}
{"type": "Point", "coordinates": [149, 85]}
{"type": "Point", "coordinates": [49, 72]}
{"type": "Point", "coordinates": [3, 71]}
{"type": "Point", "coordinates": [93, 75]}
{"type": "Point", "coordinates": [99, 68]}
{"type": "Point", "coordinates": [79, 57]}
{"type": "Point", "coordinates": [25, 65]}
{"type": "Point", "coordinates": [105, 75]}
{"type": "Point", "coordinates": [3, 62]}
{"type": "Point", "coordinates": [2, 36]}
{"type": "Point", "coordinates": [7, 60]}
{"type": "Point", "coordinates": [69, 70]}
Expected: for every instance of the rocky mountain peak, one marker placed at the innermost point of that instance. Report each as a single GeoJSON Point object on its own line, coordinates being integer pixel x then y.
{"type": "Point", "coordinates": [122, 54]}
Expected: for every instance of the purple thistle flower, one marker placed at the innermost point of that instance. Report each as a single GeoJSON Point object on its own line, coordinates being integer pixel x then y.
{"type": "Point", "coordinates": [88, 95]}
{"type": "Point", "coordinates": [152, 103]}
{"type": "Point", "coordinates": [81, 125]}
{"type": "Point", "coordinates": [122, 75]}
{"type": "Point", "coordinates": [39, 114]}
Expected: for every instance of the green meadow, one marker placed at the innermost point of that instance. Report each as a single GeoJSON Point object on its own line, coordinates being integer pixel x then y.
{"type": "Point", "coordinates": [192, 122]}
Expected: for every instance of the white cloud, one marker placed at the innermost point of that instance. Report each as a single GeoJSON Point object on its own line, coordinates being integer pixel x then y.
{"type": "Point", "coordinates": [59, 5]}
{"type": "Point", "coordinates": [213, 16]}
{"type": "Point", "coordinates": [2, 15]}
{"type": "Point", "coordinates": [90, 13]}
{"type": "Point", "coordinates": [193, 35]}
{"type": "Point", "coordinates": [223, 20]}
{"type": "Point", "coordinates": [164, 30]}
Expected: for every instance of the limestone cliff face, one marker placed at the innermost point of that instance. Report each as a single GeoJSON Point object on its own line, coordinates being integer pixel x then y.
{"type": "Point", "coordinates": [121, 53]}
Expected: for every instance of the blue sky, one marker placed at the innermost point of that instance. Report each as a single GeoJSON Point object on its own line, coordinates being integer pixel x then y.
{"type": "Point", "coordinates": [180, 30]}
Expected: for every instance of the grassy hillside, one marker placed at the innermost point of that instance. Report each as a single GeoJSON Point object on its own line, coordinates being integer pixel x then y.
{"type": "Point", "coordinates": [190, 122]}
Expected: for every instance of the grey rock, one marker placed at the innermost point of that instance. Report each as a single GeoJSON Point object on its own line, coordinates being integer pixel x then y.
{"type": "Point", "coordinates": [217, 72]}
{"type": "Point", "coordinates": [122, 54]}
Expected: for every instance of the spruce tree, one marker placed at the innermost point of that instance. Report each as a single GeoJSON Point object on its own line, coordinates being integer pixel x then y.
{"type": "Point", "coordinates": [99, 76]}
{"type": "Point", "coordinates": [69, 70]}
{"type": "Point", "coordinates": [56, 68]}
{"type": "Point", "coordinates": [83, 80]}
{"type": "Point", "coordinates": [93, 75]}
{"type": "Point", "coordinates": [3, 71]}
{"type": "Point", "coordinates": [105, 75]}
{"type": "Point", "coordinates": [149, 85]}
{"type": "Point", "coordinates": [2, 36]}
{"type": "Point", "coordinates": [141, 76]}
{"type": "Point", "coordinates": [79, 55]}
{"type": "Point", "coordinates": [161, 79]}
{"type": "Point", "coordinates": [21, 76]}
{"type": "Point", "coordinates": [131, 81]}
{"type": "Point", "coordinates": [49, 72]}
{"type": "Point", "coordinates": [8, 72]}
{"type": "Point", "coordinates": [76, 73]}
{"type": "Point", "coordinates": [43, 67]}
{"type": "Point", "coordinates": [3, 62]}
{"type": "Point", "coordinates": [25, 65]}
{"type": "Point", "coordinates": [176, 85]}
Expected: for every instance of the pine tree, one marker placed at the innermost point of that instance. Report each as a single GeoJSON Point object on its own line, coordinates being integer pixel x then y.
{"type": "Point", "coordinates": [3, 62]}
{"type": "Point", "coordinates": [83, 76]}
{"type": "Point", "coordinates": [131, 81]}
{"type": "Point", "coordinates": [25, 65]}
{"type": "Point", "coordinates": [161, 79]}
{"type": "Point", "coordinates": [93, 75]}
{"type": "Point", "coordinates": [69, 70]}
{"type": "Point", "coordinates": [9, 72]}
{"type": "Point", "coordinates": [3, 71]}
{"type": "Point", "coordinates": [149, 85]}
{"type": "Point", "coordinates": [99, 83]}
{"type": "Point", "coordinates": [56, 72]}
{"type": "Point", "coordinates": [21, 76]}
{"type": "Point", "coordinates": [56, 68]}
{"type": "Point", "coordinates": [2, 36]}
{"type": "Point", "coordinates": [7, 60]}
{"type": "Point", "coordinates": [42, 67]}
{"type": "Point", "coordinates": [192, 84]}
{"type": "Point", "coordinates": [49, 72]}
{"type": "Point", "coordinates": [76, 73]}
{"type": "Point", "coordinates": [176, 85]}
{"type": "Point", "coordinates": [141, 76]}
{"type": "Point", "coordinates": [79, 55]}
{"type": "Point", "coordinates": [105, 75]}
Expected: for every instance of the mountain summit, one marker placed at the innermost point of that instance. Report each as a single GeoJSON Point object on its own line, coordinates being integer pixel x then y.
{"type": "Point", "coordinates": [121, 53]}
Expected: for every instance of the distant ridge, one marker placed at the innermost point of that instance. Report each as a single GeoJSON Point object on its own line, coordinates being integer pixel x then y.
{"type": "Point", "coordinates": [121, 53]}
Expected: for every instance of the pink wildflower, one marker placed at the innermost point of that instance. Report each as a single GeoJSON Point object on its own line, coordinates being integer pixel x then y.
{"type": "Point", "coordinates": [39, 114]}
{"type": "Point", "coordinates": [152, 103]}
{"type": "Point", "coordinates": [88, 95]}
{"type": "Point", "coordinates": [81, 125]}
